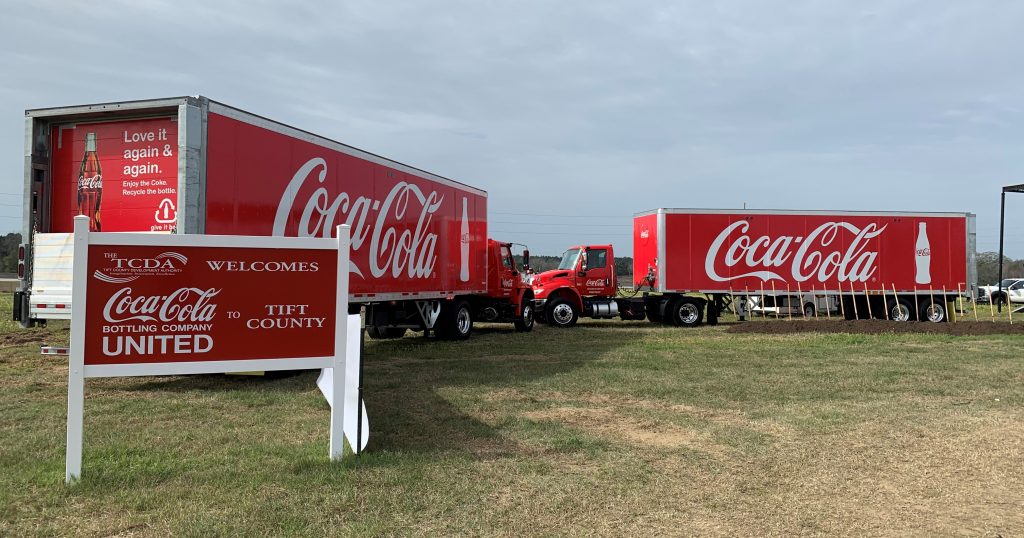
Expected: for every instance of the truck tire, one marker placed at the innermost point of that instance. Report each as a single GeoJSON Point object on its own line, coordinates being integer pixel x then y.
{"type": "Point", "coordinates": [686, 312]}
{"type": "Point", "coordinates": [384, 333]}
{"type": "Point", "coordinates": [933, 311]}
{"type": "Point", "coordinates": [901, 310]}
{"type": "Point", "coordinates": [562, 313]}
{"type": "Point", "coordinates": [394, 332]}
{"type": "Point", "coordinates": [456, 321]}
{"type": "Point", "coordinates": [809, 310]}
{"type": "Point", "coordinates": [524, 322]}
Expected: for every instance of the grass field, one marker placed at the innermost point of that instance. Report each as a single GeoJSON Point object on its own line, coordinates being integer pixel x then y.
{"type": "Point", "coordinates": [610, 428]}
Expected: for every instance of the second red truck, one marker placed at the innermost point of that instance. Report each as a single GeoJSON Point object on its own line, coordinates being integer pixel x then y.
{"type": "Point", "coordinates": [688, 264]}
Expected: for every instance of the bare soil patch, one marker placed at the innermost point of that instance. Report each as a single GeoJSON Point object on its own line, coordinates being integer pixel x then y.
{"type": "Point", "coordinates": [605, 401]}
{"type": "Point", "coordinates": [21, 338]}
{"type": "Point", "coordinates": [606, 422]}
{"type": "Point", "coordinates": [961, 328]}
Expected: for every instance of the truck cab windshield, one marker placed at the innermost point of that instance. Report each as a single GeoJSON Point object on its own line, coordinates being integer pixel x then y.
{"type": "Point", "coordinates": [569, 259]}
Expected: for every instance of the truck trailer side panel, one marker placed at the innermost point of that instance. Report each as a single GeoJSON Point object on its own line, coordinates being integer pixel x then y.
{"type": "Point", "coordinates": [723, 251]}
{"type": "Point", "coordinates": [264, 178]}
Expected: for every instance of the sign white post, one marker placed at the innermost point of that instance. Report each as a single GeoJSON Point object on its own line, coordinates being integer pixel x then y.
{"type": "Point", "coordinates": [356, 422]}
{"type": "Point", "coordinates": [337, 443]}
{"type": "Point", "coordinates": [134, 271]}
{"type": "Point", "coordinates": [76, 358]}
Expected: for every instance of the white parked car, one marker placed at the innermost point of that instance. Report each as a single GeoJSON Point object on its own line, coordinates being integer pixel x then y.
{"type": "Point", "coordinates": [1012, 287]}
{"type": "Point", "coordinates": [806, 304]}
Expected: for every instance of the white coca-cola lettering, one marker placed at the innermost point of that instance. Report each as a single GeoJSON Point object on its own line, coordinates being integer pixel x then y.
{"type": "Point", "coordinates": [94, 182]}
{"type": "Point", "coordinates": [410, 251]}
{"type": "Point", "coordinates": [464, 243]}
{"type": "Point", "coordinates": [813, 259]}
{"type": "Point", "coordinates": [183, 304]}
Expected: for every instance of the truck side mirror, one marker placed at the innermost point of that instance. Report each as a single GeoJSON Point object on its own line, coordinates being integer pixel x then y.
{"type": "Point", "coordinates": [526, 259]}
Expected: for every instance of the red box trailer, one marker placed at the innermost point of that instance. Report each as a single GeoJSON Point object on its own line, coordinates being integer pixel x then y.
{"type": "Point", "coordinates": [195, 166]}
{"type": "Point", "coordinates": [722, 251]}
{"type": "Point", "coordinates": [691, 263]}
{"type": "Point", "coordinates": [896, 265]}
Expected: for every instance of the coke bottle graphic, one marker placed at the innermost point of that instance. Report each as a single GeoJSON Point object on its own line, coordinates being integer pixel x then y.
{"type": "Point", "coordinates": [90, 184]}
{"type": "Point", "coordinates": [464, 242]}
{"type": "Point", "coordinates": [923, 256]}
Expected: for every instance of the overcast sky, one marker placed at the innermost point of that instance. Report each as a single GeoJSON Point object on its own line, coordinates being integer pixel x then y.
{"type": "Point", "coordinates": [575, 115]}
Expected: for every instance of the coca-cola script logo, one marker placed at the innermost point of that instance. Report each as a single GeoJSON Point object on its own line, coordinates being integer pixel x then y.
{"type": "Point", "coordinates": [124, 270]}
{"type": "Point", "coordinates": [94, 182]}
{"type": "Point", "coordinates": [814, 256]}
{"type": "Point", "coordinates": [181, 305]}
{"type": "Point", "coordinates": [645, 234]}
{"type": "Point", "coordinates": [410, 251]}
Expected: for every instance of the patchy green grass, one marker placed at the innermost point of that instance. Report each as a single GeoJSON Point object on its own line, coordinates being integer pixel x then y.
{"type": "Point", "coordinates": [610, 428]}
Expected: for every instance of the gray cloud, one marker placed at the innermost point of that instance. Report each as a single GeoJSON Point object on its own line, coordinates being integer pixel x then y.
{"type": "Point", "coordinates": [588, 110]}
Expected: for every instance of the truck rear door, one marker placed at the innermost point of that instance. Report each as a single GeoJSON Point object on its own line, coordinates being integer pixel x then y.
{"type": "Point", "coordinates": [117, 163]}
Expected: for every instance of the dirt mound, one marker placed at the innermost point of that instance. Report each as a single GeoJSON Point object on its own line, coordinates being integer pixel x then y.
{"type": "Point", "coordinates": [962, 328]}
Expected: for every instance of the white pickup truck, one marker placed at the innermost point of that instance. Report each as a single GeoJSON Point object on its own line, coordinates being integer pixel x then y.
{"type": "Point", "coordinates": [1011, 287]}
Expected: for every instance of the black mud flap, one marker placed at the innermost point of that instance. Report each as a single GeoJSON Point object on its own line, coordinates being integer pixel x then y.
{"type": "Point", "coordinates": [17, 309]}
{"type": "Point", "coordinates": [712, 318]}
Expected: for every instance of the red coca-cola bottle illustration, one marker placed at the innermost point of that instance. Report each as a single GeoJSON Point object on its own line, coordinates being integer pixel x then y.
{"type": "Point", "coordinates": [90, 184]}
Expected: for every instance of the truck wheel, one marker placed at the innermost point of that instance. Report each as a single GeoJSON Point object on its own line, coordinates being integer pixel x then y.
{"type": "Point", "coordinates": [686, 312]}
{"type": "Point", "coordinates": [524, 323]}
{"type": "Point", "coordinates": [456, 322]}
{"type": "Point", "coordinates": [384, 333]}
{"type": "Point", "coordinates": [808, 310]}
{"type": "Point", "coordinates": [394, 332]}
{"type": "Point", "coordinates": [562, 313]}
{"type": "Point", "coordinates": [933, 311]}
{"type": "Point", "coordinates": [901, 310]}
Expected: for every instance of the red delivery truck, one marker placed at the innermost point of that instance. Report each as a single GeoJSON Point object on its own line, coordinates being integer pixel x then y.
{"type": "Point", "coordinates": [420, 259]}
{"type": "Point", "coordinates": [690, 263]}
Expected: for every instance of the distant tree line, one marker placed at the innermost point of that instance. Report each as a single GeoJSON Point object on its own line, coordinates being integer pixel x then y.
{"type": "Point", "coordinates": [988, 268]}
{"type": "Point", "coordinates": [9, 252]}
